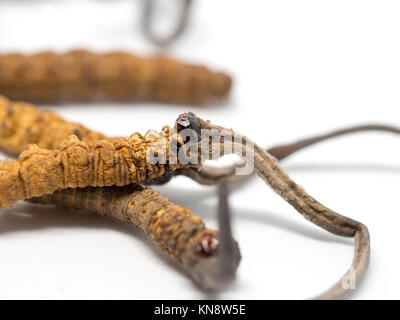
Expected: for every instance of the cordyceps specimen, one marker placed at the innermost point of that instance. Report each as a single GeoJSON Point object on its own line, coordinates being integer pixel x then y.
{"type": "Point", "coordinates": [119, 76]}
{"type": "Point", "coordinates": [39, 172]}
{"type": "Point", "coordinates": [209, 175]}
{"type": "Point", "coordinates": [209, 257]}
{"type": "Point", "coordinates": [22, 124]}
{"type": "Point", "coordinates": [175, 229]}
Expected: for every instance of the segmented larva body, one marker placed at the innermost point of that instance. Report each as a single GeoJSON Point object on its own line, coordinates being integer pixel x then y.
{"type": "Point", "coordinates": [175, 229]}
{"type": "Point", "coordinates": [22, 124]}
{"type": "Point", "coordinates": [92, 161]}
{"type": "Point", "coordinates": [82, 76]}
{"type": "Point", "coordinates": [75, 164]}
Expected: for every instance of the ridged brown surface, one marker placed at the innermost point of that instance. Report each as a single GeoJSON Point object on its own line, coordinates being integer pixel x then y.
{"type": "Point", "coordinates": [76, 164]}
{"type": "Point", "coordinates": [118, 76]}
{"type": "Point", "coordinates": [88, 160]}
{"type": "Point", "coordinates": [171, 226]}
{"type": "Point", "coordinates": [40, 171]}
{"type": "Point", "coordinates": [22, 124]}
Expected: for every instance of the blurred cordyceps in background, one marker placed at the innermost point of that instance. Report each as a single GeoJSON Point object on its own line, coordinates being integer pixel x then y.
{"type": "Point", "coordinates": [116, 76]}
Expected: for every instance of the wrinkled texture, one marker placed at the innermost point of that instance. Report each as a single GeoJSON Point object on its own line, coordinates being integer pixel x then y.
{"type": "Point", "coordinates": [171, 226]}
{"type": "Point", "coordinates": [75, 163]}
{"type": "Point", "coordinates": [22, 124]}
{"type": "Point", "coordinates": [118, 76]}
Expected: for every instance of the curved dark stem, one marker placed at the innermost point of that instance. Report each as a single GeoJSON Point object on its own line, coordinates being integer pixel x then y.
{"type": "Point", "coordinates": [210, 175]}
{"type": "Point", "coordinates": [266, 166]}
{"type": "Point", "coordinates": [227, 252]}
{"type": "Point", "coordinates": [148, 23]}
{"type": "Point", "coordinates": [283, 151]}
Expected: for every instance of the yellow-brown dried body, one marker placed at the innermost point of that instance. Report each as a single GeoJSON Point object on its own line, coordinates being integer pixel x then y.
{"type": "Point", "coordinates": [22, 124]}
{"type": "Point", "coordinates": [83, 76]}
{"type": "Point", "coordinates": [171, 226]}
{"type": "Point", "coordinates": [75, 164]}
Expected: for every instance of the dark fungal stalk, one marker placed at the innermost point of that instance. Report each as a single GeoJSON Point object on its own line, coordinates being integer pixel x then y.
{"type": "Point", "coordinates": [265, 166]}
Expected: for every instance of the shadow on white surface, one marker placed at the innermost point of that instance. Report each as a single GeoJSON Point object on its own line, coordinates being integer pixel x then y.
{"type": "Point", "coordinates": [29, 217]}
{"type": "Point", "coordinates": [185, 199]}
{"type": "Point", "coordinates": [344, 167]}
{"type": "Point", "coordinates": [26, 217]}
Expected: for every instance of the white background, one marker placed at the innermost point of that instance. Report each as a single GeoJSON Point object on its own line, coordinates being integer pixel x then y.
{"type": "Point", "coordinates": [300, 67]}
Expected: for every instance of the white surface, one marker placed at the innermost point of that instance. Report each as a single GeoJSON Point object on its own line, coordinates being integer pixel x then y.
{"type": "Point", "coordinates": [300, 67]}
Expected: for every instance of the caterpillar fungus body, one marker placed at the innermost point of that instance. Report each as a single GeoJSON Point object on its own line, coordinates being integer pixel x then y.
{"type": "Point", "coordinates": [176, 230]}
{"type": "Point", "coordinates": [77, 164]}
{"type": "Point", "coordinates": [22, 124]}
{"type": "Point", "coordinates": [82, 75]}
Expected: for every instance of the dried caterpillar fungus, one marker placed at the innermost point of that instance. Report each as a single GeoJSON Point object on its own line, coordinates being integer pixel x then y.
{"type": "Point", "coordinates": [77, 164]}
{"type": "Point", "coordinates": [22, 124]}
{"type": "Point", "coordinates": [40, 171]}
{"type": "Point", "coordinates": [175, 229]}
{"type": "Point", "coordinates": [83, 76]}
{"type": "Point", "coordinates": [169, 225]}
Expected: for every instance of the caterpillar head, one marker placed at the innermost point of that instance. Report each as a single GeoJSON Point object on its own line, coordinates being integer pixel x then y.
{"type": "Point", "coordinates": [187, 125]}
{"type": "Point", "coordinates": [212, 258]}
